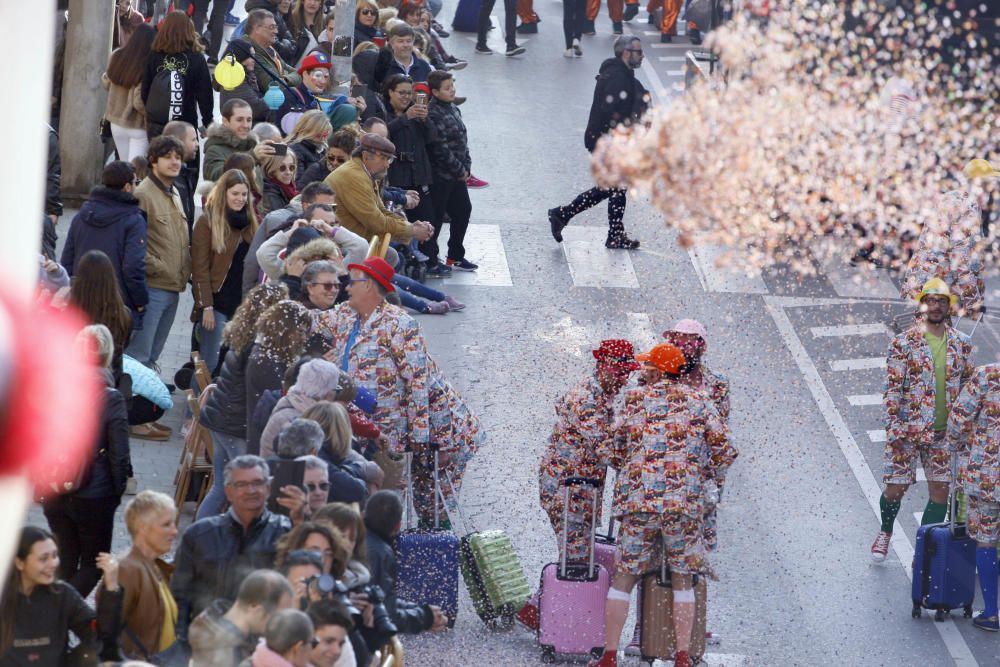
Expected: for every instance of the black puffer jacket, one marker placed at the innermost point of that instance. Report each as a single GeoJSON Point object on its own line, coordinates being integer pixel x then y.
{"type": "Point", "coordinates": [225, 410]}
{"type": "Point", "coordinates": [109, 473]}
{"type": "Point", "coordinates": [307, 153]}
{"type": "Point", "coordinates": [412, 166]}
{"type": "Point", "coordinates": [449, 141]}
{"type": "Point", "coordinates": [215, 555]}
{"type": "Point", "coordinates": [619, 99]}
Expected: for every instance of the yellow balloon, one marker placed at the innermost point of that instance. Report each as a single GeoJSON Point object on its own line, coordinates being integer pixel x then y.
{"type": "Point", "coordinates": [229, 73]}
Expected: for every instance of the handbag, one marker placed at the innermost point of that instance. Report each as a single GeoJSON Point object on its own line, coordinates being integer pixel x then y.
{"type": "Point", "coordinates": [174, 655]}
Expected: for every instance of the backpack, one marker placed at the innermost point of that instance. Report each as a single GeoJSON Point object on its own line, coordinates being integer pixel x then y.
{"type": "Point", "coordinates": [166, 92]}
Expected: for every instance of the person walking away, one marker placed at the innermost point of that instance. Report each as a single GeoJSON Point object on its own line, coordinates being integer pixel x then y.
{"type": "Point", "coordinates": [123, 80]}
{"type": "Point", "coordinates": [926, 368]}
{"type": "Point", "coordinates": [573, 22]}
{"type": "Point", "coordinates": [509, 28]}
{"type": "Point", "coordinates": [974, 431]}
{"type": "Point", "coordinates": [619, 99]}
{"type": "Point", "coordinates": [168, 260]}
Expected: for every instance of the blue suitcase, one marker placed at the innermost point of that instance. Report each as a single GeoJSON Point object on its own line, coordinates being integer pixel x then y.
{"type": "Point", "coordinates": [944, 567]}
{"type": "Point", "coordinates": [467, 16]}
{"type": "Point", "coordinates": [428, 560]}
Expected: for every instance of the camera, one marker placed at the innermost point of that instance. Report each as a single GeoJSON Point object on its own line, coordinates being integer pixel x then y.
{"type": "Point", "coordinates": [331, 589]}
{"type": "Point", "coordinates": [383, 627]}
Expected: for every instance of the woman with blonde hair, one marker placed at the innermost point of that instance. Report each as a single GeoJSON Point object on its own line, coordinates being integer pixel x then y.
{"type": "Point", "coordinates": [177, 53]}
{"type": "Point", "coordinates": [366, 23]}
{"type": "Point", "coordinates": [219, 244]}
{"type": "Point", "coordinates": [347, 475]}
{"type": "Point", "coordinates": [225, 411]}
{"type": "Point", "coordinates": [279, 181]}
{"type": "Point", "coordinates": [308, 140]}
{"type": "Point", "coordinates": [148, 607]}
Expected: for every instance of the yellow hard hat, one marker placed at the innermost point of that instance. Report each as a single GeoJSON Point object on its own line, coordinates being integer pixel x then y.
{"type": "Point", "coordinates": [229, 73]}
{"type": "Point", "coordinates": [936, 287]}
{"type": "Point", "coordinates": [980, 168]}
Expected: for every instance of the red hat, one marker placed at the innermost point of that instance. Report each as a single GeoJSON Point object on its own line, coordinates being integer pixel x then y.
{"type": "Point", "coordinates": [315, 60]}
{"type": "Point", "coordinates": [617, 351]}
{"type": "Point", "coordinates": [378, 269]}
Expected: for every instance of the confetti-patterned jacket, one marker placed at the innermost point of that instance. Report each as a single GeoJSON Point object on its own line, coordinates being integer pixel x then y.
{"type": "Point", "coordinates": [947, 250]}
{"type": "Point", "coordinates": [453, 425]}
{"type": "Point", "coordinates": [974, 427]}
{"type": "Point", "coordinates": [389, 357]}
{"type": "Point", "coordinates": [910, 384]}
{"type": "Point", "coordinates": [669, 442]}
{"type": "Point", "coordinates": [717, 387]}
{"type": "Point", "coordinates": [583, 429]}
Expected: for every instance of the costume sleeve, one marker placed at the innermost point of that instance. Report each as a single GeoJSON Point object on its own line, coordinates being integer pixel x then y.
{"type": "Point", "coordinates": [721, 451]}
{"type": "Point", "coordinates": [895, 382]}
{"type": "Point", "coordinates": [965, 411]}
{"type": "Point", "coordinates": [410, 352]}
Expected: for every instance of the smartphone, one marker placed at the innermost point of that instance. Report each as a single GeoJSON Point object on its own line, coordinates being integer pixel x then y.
{"type": "Point", "coordinates": [421, 98]}
{"type": "Point", "coordinates": [359, 90]}
{"type": "Point", "coordinates": [284, 473]}
{"type": "Point", "coordinates": [280, 149]}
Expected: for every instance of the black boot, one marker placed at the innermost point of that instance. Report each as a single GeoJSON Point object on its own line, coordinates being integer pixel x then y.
{"type": "Point", "coordinates": [631, 11]}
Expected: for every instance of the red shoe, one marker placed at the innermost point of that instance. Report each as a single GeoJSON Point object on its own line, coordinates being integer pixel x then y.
{"type": "Point", "coordinates": [528, 616]}
{"type": "Point", "coordinates": [609, 659]}
{"type": "Point", "coordinates": [474, 182]}
{"type": "Point", "coordinates": [682, 659]}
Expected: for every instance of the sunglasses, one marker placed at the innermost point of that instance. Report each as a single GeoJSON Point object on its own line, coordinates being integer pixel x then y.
{"type": "Point", "coordinates": [368, 12]}
{"type": "Point", "coordinates": [312, 487]}
{"type": "Point", "coordinates": [329, 287]}
{"type": "Point", "coordinates": [336, 159]}
{"type": "Point", "coordinates": [286, 167]}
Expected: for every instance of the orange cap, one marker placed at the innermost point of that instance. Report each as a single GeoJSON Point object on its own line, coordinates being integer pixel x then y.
{"type": "Point", "coordinates": [665, 357]}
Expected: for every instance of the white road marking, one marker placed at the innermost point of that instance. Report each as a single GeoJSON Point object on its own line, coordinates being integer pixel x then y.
{"type": "Point", "coordinates": [867, 363]}
{"type": "Point", "coordinates": [877, 435]}
{"type": "Point", "coordinates": [655, 83]}
{"type": "Point", "coordinates": [675, 72]}
{"type": "Point", "coordinates": [950, 635]}
{"type": "Point", "coordinates": [918, 517]}
{"type": "Point", "coordinates": [714, 660]}
{"type": "Point", "coordinates": [671, 59]}
{"type": "Point", "coordinates": [593, 265]}
{"type": "Point", "coordinates": [854, 281]}
{"type": "Point", "coordinates": [849, 330]}
{"type": "Point", "coordinates": [483, 246]}
{"type": "Point", "coordinates": [639, 327]}
{"type": "Point", "coordinates": [865, 399]}
{"type": "Point", "coordinates": [723, 278]}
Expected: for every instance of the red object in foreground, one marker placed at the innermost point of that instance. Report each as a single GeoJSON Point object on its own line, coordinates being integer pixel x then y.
{"type": "Point", "coordinates": [49, 395]}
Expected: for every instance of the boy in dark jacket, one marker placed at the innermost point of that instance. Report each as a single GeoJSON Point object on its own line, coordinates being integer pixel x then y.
{"type": "Point", "coordinates": [619, 99]}
{"type": "Point", "coordinates": [451, 164]}
{"type": "Point", "coordinates": [112, 222]}
{"type": "Point", "coordinates": [383, 519]}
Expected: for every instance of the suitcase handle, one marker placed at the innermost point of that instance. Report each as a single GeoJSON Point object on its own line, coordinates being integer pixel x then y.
{"type": "Point", "coordinates": [438, 493]}
{"type": "Point", "coordinates": [567, 483]}
{"type": "Point", "coordinates": [582, 481]}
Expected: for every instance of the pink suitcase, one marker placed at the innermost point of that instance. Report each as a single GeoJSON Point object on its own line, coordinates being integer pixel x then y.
{"type": "Point", "coordinates": [572, 597]}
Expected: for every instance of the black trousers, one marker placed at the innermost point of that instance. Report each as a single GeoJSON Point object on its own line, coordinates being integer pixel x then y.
{"type": "Point", "coordinates": [451, 197]}
{"type": "Point", "coordinates": [83, 528]}
{"type": "Point", "coordinates": [510, 21]}
{"type": "Point", "coordinates": [425, 209]}
{"type": "Point", "coordinates": [216, 23]}
{"type": "Point", "coordinates": [592, 197]}
{"type": "Point", "coordinates": [574, 14]}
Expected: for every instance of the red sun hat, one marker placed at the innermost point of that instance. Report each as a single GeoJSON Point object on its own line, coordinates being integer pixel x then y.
{"type": "Point", "coordinates": [378, 269]}
{"type": "Point", "coordinates": [315, 60]}
{"type": "Point", "coordinates": [617, 351]}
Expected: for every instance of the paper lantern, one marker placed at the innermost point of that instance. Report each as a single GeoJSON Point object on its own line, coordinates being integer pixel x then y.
{"type": "Point", "coordinates": [274, 97]}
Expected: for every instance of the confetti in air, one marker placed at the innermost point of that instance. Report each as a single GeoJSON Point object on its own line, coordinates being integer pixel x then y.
{"type": "Point", "coordinates": [840, 127]}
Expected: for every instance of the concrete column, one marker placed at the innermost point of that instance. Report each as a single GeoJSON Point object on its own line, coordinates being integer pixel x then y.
{"type": "Point", "coordinates": [88, 45]}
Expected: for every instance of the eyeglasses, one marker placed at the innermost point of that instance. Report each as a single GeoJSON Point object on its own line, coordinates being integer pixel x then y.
{"type": "Point", "coordinates": [369, 12]}
{"type": "Point", "coordinates": [329, 287]}
{"type": "Point", "coordinates": [634, 50]}
{"type": "Point", "coordinates": [336, 159]}
{"type": "Point", "coordinates": [253, 484]}
{"type": "Point", "coordinates": [286, 167]}
{"type": "Point", "coordinates": [313, 487]}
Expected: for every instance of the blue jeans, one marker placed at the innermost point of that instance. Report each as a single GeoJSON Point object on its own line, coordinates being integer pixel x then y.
{"type": "Point", "coordinates": [147, 343]}
{"type": "Point", "coordinates": [209, 342]}
{"type": "Point", "coordinates": [224, 448]}
{"type": "Point", "coordinates": [410, 289]}
{"type": "Point", "coordinates": [435, 6]}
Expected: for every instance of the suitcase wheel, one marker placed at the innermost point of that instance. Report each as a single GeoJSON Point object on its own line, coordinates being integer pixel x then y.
{"type": "Point", "coordinates": [968, 612]}
{"type": "Point", "coordinates": [548, 655]}
{"type": "Point", "coordinates": [939, 615]}
{"type": "Point", "coordinates": [916, 610]}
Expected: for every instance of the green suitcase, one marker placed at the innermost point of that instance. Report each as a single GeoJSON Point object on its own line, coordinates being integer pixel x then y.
{"type": "Point", "coordinates": [494, 576]}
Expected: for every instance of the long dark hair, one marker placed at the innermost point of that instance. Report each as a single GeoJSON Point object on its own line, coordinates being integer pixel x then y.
{"type": "Point", "coordinates": [30, 536]}
{"type": "Point", "coordinates": [127, 65]}
{"type": "Point", "coordinates": [390, 85]}
{"type": "Point", "coordinates": [95, 292]}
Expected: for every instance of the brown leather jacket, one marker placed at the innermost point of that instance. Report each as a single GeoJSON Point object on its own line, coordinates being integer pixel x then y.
{"type": "Point", "coordinates": [209, 268]}
{"type": "Point", "coordinates": [142, 606]}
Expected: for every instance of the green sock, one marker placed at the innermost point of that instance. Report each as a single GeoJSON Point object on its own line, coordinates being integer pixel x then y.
{"type": "Point", "coordinates": [890, 508]}
{"type": "Point", "coordinates": [934, 513]}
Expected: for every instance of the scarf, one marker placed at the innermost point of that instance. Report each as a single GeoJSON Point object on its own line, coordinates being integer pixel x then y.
{"type": "Point", "coordinates": [238, 220]}
{"type": "Point", "coordinates": [288, 191]}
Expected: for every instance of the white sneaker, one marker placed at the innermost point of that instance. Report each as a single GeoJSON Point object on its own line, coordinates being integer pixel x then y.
{"type": "Point", "coordinates": [633, 649]}
{"type": "Point", "coordinates": [568, 53]}
{"type": "Point", "coordinates": [880, 547]}
{"type": "Point", "coordinates": [131, 486]}
{"type": "Point", "coordinates": [577, 52]}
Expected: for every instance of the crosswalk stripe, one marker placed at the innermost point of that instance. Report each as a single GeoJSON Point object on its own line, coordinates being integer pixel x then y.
{"type": "Point", "coordinates": [867, 363]}
{"type": "Point", "coordinates": [714, 660]}
{"type": "Point", "coordinates": [849, 330]}
{"type": "Point", "coordinates": [640, 331]}
{"type": "Point", "coordinates": [484, 246]}
{"type": "Point", "coordinates": [593, 265]}
{"type": "Point", "coordinates": [675, 72]}
{"type": "Point", "coordinates": [877, 435]}
{"type": "Point", "coordinates": [865, 399]}
{"type": "Point", "coordinates": [723, 278]}
{"type": "Point", "coordinates": [671, 59]}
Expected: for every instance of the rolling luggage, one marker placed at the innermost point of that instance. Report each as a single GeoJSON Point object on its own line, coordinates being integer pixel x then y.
{"type": "Point", "coordinates": [428, 559]}
{"type": "Point", "coordinates": [657, 640]}
{"type": "Point", "coordinates": [467, 16]}
{"type": "Point", "coordinates": [944, 563]}
{"type": "Point", "coordinates": [494, 577]}
{"type": "Point", "coordinates": [572, 595]}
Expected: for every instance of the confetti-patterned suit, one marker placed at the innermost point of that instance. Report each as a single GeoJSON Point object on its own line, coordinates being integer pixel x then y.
{"type": "Point", "coordinates": [717, 387]}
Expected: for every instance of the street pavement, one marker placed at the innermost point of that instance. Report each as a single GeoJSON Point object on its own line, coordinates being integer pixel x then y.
{"type": "Point", "coordinates": [804, 356]}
